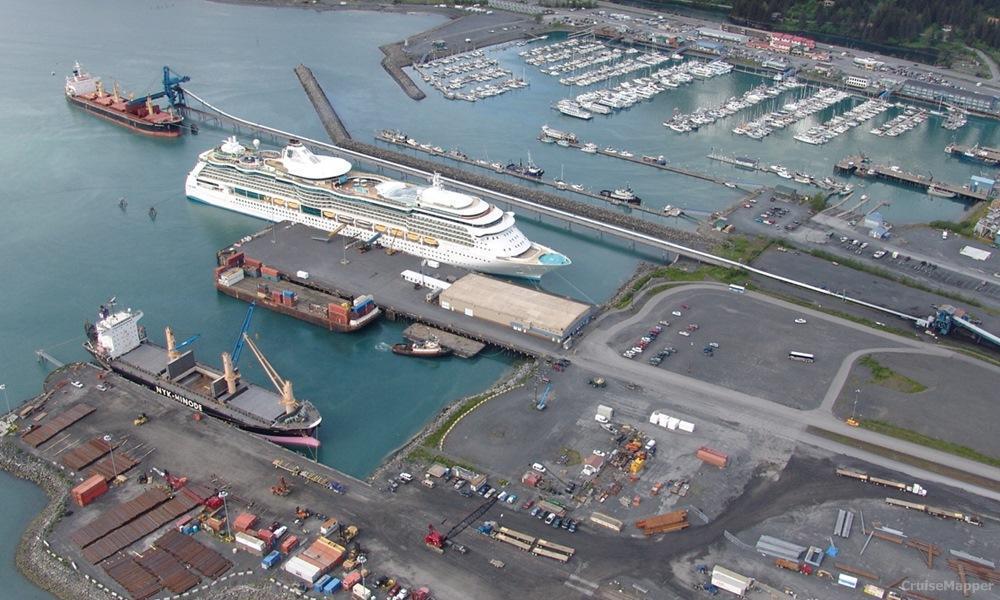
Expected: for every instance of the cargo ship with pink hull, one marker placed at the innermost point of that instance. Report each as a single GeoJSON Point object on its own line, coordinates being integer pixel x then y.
{"type": "Point", "coordinates": [141, 115]}
{"type": "Point", "coordinates": [119, 343]}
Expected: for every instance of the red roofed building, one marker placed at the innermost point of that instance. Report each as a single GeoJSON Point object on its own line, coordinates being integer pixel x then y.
{"type": "Point", "coordinates": [788, 43]}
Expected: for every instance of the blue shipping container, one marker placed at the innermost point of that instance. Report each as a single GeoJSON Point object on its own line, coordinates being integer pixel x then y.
{"type": "Point", "coordinates": [331, 587]}
{"type": "Point", "coordinates": [322, 581]}
{"type": "Point", "coordinates": [270, 560]}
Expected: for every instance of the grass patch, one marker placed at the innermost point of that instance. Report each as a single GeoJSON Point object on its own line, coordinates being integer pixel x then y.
{"type": "Point", "coordinates": [886, 377]}
{"type": "Point", "coordinates": [572, 456]}
{"type": "Point", "coordinates": [925, 440]}
{"type": "Point", "coordinates": [909, 459]}
{"type": "Point", "coordinates": [742, 249]}
{"type": "Point", "coordinates": [966, 226]}
{"type": "Point", "coordinates": [679, 275]}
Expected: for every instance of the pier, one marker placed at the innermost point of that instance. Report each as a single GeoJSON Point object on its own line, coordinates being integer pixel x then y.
{"type": "Point", "coordinates": [459, 346]}
{"type": "Point", "coordinates": [983, 154]}
{"type": "Point", "coordinates": [862, 166]}
{"type": "Point", "coordinates": [327, 115]}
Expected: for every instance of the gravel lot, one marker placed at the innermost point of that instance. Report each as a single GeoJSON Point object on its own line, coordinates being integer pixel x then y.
{"type": "Point", "coordinates": [954, 385]}
{"type": "Point", "coordinates": [754, 340]}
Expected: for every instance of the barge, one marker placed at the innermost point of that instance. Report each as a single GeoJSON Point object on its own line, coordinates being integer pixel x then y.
{"type": "Point", "coordinates": [120, 344]}
{"type": "Point", "coordinates": [249, 280]}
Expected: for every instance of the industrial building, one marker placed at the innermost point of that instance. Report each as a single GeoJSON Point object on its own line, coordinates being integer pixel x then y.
{"type": "Point", "coordinates": [933, 92]}
{"type": "Point", "coordinates": [989, 226]}
{"type": "Point", "coordinates": [520, 308]}
{"type": "Point", "coordinates": [726, 36]}
{"type": "Point", "coordinates": [857, 82]}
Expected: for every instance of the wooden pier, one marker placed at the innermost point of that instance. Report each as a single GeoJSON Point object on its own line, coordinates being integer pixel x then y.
{"type": "Point", "coordinates": [983, 154]}
{"type": "Point", "coordinates": [862, 166]}
{"type": "Point", "coordinates": [460, 346]}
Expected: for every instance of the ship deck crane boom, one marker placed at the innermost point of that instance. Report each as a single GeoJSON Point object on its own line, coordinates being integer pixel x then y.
{"type": "Point", "coordinates": [283, 386]}
{"type": "Point", "coordinates": [238, 345]}
{"type": "Point", "coordinates": [172, 89]}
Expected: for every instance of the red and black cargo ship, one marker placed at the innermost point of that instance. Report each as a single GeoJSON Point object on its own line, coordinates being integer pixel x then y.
{"type": "Point", "coordinates": [141, 115]}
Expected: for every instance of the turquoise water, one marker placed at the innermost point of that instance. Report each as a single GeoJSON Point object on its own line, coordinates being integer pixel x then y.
{"type": "Point", "coordinates": [66, 247]}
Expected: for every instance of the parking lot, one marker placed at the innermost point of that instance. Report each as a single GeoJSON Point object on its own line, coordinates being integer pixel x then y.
{"type": "Point", "coordinates": [769, 217]}
{"type": "Point", "coordinates": [954, 386]}
{"type": "Point", "coordinates": [753, 341]}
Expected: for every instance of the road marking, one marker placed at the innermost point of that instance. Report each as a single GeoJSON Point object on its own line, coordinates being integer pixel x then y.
{"type": "Point", "coordinates": [582, 590]}
{"type": "Point", "coordinates": [583, 581]}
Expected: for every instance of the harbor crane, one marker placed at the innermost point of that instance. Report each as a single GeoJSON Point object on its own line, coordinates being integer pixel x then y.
{"type": "Point", "coordinates": [437, 541]}
{"type": "Point", "coordinates": [283, 386]}
{"type": "Point", "coordinates": [172, 90]}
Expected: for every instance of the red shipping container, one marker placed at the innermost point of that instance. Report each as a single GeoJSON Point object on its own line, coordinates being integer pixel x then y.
{"type": "Point", "coordinates": [289, 544]}
{"type": "Point", "coordinates": [251, 263]}
{"type": "Point", "coordinates": [181, 522]}
{"type": "Point", "coordinates": [245, 522]}
{"type": "Point", "coordinates": [267, 535]}
{"type": "Point", "coordinates": [88, 491]}
{"type": "Point", "coordinates": [265, 270]}
{"type": "Point", "coordinates": [350, 579]}
{"type": "Point", "coordinates": [236, 259]}
{"type": "Point", "coordinates": [276, 297]}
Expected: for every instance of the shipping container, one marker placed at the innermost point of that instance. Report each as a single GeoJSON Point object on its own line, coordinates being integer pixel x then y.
{"type": "Point", "coordinates": [250, 544]}
{"type": "Point", "coordinates": [730, 581]}
{"type": "Point", "coordinates": [244, 522]}
{"type": "Point", "coordinates": [712, 457]}
{"type": "Point", "coordinates": [686, 426]}
{"type": "Point", "coordinates": [318, 586]}
{"type": "Point", "coordinates": [267, 536]}
{"type": "Point", "coordinates": [303, 569]}
{"type": "Point", "coordinates": [352, 578]}
{"type": "Point", "coordinates": [273, 558]}
{"type": "Point", "coordinates": [606, 521]}
{"type": "Point", "coordinates": [361, 592]}
{"type": "Point", "coordinates": [88, 491]}
{"type": "Point", "coordinates": [183, 522]}
{"type": "Point", "coordinates": [332, 586]}
{"type": "Point", "coordinates": [330, 526]}
{"type": "Point", "coordinates": [289, 544]}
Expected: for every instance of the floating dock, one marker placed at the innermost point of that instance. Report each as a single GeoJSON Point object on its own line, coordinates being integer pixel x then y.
{"type": "Point", "coordinates": [862, 166]}
{"type": "Point", "coordinates": [459, 346]}
{"type": "Point", "coordinates": [344, 268]}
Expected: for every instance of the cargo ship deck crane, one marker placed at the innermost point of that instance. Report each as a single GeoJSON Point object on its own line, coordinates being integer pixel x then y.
{"type": "Point", "coordinates": [173, 349]}
{"type": "Point", "coordinates": [284, 386]}
{"type": "Point", "coordinates": [238, 344]}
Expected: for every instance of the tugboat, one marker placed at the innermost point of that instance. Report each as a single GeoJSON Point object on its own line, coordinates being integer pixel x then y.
{"type": "Point", "coordinates": [425, 349]}
{"type": "Point", "coordinates": [625, 195]}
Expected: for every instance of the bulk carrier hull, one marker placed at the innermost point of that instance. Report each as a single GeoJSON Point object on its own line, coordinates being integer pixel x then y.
{"type": "Point", "coordinates": [292, 436]}
{"type": "Point", "coordinates": [124, 119]}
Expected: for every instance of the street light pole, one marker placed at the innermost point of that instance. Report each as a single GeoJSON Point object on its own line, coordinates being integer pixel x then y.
{"type": "Point", "coordinates": [111, 450]}
{"type": "Point", "coordinates": [854, 411]}
{"type": "Point", "coordinates": [225, 509]}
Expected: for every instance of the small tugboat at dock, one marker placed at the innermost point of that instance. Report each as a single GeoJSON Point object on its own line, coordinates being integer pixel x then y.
{"type": "Point", "coordinates": [426, 349]}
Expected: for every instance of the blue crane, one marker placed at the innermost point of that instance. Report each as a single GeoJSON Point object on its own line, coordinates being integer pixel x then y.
{"type": "Point", "coordinates": [187, 341]}
{"type": "Point", "coordinates": [172, 90]}
{"type": "Point", "coordinates": [542, 399]}
{"type": "Point", "coordinates": [238, 346]}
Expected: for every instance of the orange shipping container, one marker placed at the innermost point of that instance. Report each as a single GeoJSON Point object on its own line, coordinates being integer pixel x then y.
{"type": "Point", "coordinates": [245, 522]}
{"type": "Point", "coordinates": [712, 457]}
{"type": "Point", "coordinates": [269, 271]}
{"type": "Point", "coordinates": [88, 491]}
{"type": "Point", "coordinates": [289, 544]}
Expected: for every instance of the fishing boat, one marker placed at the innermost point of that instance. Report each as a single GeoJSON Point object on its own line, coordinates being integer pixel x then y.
{"type": "Point", "coordinates": [934, 190]}
{"type": "Point", "coordinates": [425, 349]}
{"type": "Point", "coordinates": [625, 195]}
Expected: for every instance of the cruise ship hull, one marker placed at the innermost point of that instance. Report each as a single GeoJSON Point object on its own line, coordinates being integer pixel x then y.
{"type": "Point", "coordinates": [510, 267]}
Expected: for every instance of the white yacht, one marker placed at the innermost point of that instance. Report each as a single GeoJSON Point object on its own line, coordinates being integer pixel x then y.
{"type": "Point", "coordinates": [327, 193]}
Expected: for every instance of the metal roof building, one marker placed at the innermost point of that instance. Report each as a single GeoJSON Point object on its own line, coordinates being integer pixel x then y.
{"type": "Point", "coordinates": [522, 309]}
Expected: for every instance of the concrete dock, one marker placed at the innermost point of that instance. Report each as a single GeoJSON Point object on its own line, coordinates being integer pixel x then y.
{"type": "Point", "coordinates": [291, 248]}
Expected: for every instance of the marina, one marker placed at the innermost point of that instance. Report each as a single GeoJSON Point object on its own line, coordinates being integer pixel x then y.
{"type": "Point", "coordinates": [687, 122]}
{"type": "Point", "coordinates": [752, 164]}
{"type": "Point", "coordinates": [976, 153]}
{"type": "Point", "coordinates": [791, 113]}
{"type": "Point", "coordinates": [844, 122]}
{"type": "Point", "coordinates": [862, 166]}
{"type": "Point", "coordinates": [400, 139]}
{"type": "Point", "coordinates": [900, 124]}
{"type": "Point", "coordinates": [452, 76]}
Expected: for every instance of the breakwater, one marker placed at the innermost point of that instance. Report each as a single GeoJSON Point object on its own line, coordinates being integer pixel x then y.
{"type": "Point", "coordinates": [393, 62]}
{"type": "Point", "coordinates": [327, 115]}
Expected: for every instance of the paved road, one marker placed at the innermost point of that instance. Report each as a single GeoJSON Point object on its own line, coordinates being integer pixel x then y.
{"type": "Point", "coordinates": [594, 353]}
{"type": "Point", "coordinates": [845, 369]}
{"type": "Point", "coordinates": [989, 62]}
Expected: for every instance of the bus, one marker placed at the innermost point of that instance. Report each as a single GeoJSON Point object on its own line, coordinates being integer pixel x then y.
{"type": "Point", "coordinates": [739, 289]}
{"type": "Point", "coordinates": [801, 356]}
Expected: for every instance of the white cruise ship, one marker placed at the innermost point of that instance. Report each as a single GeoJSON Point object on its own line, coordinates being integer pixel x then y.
{"type": "Point", "coordinates": [325, 192]}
